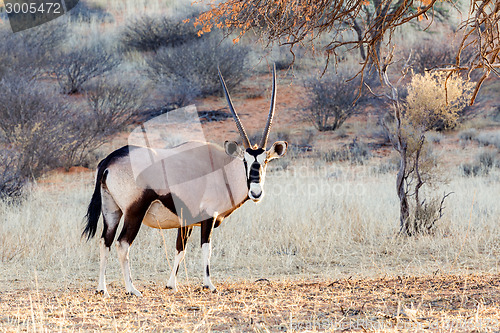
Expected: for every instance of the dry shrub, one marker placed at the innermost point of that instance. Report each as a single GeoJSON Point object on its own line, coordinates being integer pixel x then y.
{"type": "Point", "coordinates": [113, 104]}
{"type": "Point", "coordinates": [489, 139]}
{"type": "Point", "coordinates": [427, 215]}
{"type": "Point", "coordinates": [435, 53]}
{"type": "Point", "coordinates": [87, 12]}
{"type": "Point", "coordinates": [74, 68]}
{"type": "Point", "coordinates": [34, 122]}
{"type": "Point", "coordinates": [152, 33]}
{"type": "Point", "coordinates": [28, 53]}
{"type": "Point", "coordinates": [421, 174]}
{"type": "Point", "coordinates": [195, 64]}
{"type": "Point", "coordinates": [435, 102]}
{"type": "Point", "coordinates": [355, 152]}
{"type": "Point", "coordinates": [484, 162]}
{"type": "Point", "coordinates": [468, 134]}
{"type": "Point", "coordinates": [331, 101]}
{"type": "Point", "coordinates": [434, 137]}
{"type": "Point", "coordinates": [173, 95]}
{"type": "Point", "coordinates": [11, 181]}
{"type": "Point", "coordinates": [43, 131]}
{"type": "Point", "coordinates": [428, 55]}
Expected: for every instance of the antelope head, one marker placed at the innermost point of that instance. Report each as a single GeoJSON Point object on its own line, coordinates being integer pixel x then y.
{"type": "Point", "coordinates": [256, 157]}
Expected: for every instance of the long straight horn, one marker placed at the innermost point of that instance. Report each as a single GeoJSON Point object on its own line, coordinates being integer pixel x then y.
{"type": "Point", "coordinates": [267, 129]}
{"type": "Point", "coordinates": [244, 136]}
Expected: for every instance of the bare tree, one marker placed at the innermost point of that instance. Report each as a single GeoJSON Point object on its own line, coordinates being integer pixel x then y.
{"type": "Point", "coordinates": [425, 106]}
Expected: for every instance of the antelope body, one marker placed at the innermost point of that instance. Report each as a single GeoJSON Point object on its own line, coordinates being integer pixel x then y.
{"type": "Point", "coordinates": [205, 183]}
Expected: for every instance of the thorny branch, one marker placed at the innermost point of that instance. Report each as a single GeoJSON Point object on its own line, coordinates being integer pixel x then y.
{"type": "Point", "coordinates": [305, 22]}
{"type": "Point", "coordinates": [356, 24]}
{"type": "Point", "coordinates": [481, 35]}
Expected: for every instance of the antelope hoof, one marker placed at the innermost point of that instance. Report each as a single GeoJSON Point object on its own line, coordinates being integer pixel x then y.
{"type": "Point", "coordinates": [173, 289]}
{"type": "Point", "coordinates": [212, 289]}
{"type": "Point", "coordinates": [103, 293]}
{"type": "Point", "coordinates": [134, 292]}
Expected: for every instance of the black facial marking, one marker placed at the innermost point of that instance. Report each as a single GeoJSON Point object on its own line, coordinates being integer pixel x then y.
{"type": "Point", "coordinates": [254, 176]}
{"type": "Point", "coordinates": [255, 152]}
{"type": "Point", "coordinates": [246, 173]}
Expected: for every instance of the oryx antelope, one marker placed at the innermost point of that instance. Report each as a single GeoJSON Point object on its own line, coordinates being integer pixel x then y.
{"type": "Point", "coordinates": [214, 183]}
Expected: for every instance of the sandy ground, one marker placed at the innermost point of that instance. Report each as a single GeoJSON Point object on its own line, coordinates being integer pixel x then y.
{"type": "Point", "coordinates": [462, 303]}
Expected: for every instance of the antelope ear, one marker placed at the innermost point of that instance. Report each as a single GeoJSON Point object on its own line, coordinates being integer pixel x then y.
{"type": "Point", "coordinates": [232, 149]}
{"type": "Point", "coordinates": [278, 150]}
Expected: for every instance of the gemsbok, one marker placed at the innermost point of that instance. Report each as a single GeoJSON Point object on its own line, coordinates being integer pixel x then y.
{"type": "Point", "coordinates": [205, 183]}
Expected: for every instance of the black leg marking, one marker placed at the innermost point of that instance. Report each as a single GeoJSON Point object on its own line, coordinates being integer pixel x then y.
{"type": "Point", "coordinates": [183, 235]}
{"type": "Point", "coordinates": [134, 216]}
{"type": "Point", "coordinates": [206, 231]}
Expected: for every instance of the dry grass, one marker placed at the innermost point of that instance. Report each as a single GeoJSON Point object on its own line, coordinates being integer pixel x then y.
{"type": "Point", "coordinates": [316, 219]}
{"type": "Point", "coordinates": [442, 303]}
{"type": "Point", "coordinates": [318, 224]}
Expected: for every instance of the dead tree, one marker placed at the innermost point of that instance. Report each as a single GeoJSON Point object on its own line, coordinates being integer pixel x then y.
{"type": "Point", "coordinates": [421, 216]}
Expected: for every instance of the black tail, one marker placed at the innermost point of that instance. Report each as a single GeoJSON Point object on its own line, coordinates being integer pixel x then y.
{"type": "Point", "coordinates": [95, 206]}
{"type": "Point", "coordinates": [94, 209]}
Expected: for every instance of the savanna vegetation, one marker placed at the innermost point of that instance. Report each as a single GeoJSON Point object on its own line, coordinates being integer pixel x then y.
{"type": "Point", "coordinates": [383, 214]}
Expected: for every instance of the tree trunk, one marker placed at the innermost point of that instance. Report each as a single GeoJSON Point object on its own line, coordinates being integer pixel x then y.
{"type": "Point", "coordinates": [404, 212]}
